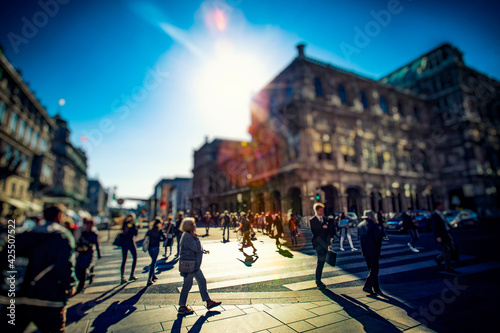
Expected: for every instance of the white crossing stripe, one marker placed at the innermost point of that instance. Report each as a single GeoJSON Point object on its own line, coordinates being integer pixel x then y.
{"type": "Point", "coordinates": [362, 275]}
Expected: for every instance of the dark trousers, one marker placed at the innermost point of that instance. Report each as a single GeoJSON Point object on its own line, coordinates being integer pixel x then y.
{"type": "Point", "coordinates": [46, 319]}
{"type": "Point", "coordinates": [413, 236]}
{"type": "Point", "coordinates": [133, 251]}
{"type": "Point", "coordinates": [321, 253]}
{"type": "Point", "coordinates": [226, 227]}
{"type": "Point", "coordinates": [153, 253]}
{"type": "Point", "coordinates": [373, 268]}
{"type": "Point", "coordinates": [448, 247]}
{"type": "Point", "coordinates": [178, 237]}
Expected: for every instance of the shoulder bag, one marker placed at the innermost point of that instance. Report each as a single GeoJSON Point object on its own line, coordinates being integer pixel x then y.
{"type": "Point", "coordinates": [118, 240]}
{"type": "Point", "coordinates": [186, 266]}
{"type": "Point", "coordinates": [145, 243]}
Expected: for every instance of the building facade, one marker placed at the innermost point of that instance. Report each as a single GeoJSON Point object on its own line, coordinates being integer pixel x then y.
{"type": "Point", "coordinates": [26, 134]}
{"type": "Point", "coordinates": [98, 199]}
{"type": "Point", "coordinates": [322, 133]}
{"type": "Point", "coordinates": [171, 196]}
{"type": "Point", "coordinates": [465, 107]}
{"type": "Point", "coordinates": [70, 170]}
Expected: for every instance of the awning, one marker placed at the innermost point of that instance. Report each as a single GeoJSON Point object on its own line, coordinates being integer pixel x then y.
{"type": "Point", "coordinates": [16, 203]}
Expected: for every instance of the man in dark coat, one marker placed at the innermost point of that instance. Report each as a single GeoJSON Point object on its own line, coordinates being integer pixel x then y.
{"type": "Point", "coordinates": [442, 235]}
{"type": "Point", "coordinates": [371, 242]}
{"type": "Point", "coordinates": [320, 240]}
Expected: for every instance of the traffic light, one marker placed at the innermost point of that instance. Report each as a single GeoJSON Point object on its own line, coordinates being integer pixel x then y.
{"type": "Point", "coordinates": [318, 195]}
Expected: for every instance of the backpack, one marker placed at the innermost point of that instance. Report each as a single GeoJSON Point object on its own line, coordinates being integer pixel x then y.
{"type": "Point", "coordinates": [19, 275]}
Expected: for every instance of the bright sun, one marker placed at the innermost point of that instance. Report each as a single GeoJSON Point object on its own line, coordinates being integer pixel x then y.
{"type": "Point", "coordinates": [227, 81]}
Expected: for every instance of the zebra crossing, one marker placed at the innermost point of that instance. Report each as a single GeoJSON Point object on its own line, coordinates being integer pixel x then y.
{"type": "Point", "coordinates": [269, 269]}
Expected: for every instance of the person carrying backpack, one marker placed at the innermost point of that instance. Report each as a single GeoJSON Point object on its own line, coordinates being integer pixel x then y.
{"type": "Point", "coordinates": [45, 277]}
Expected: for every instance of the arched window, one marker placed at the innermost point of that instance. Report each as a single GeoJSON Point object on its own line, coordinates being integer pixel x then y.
{"type": "Point", "coordinates": [383, 104]}
{"type": "Point", "coordinates": [364, 100]}
{"type": "Point", "coordinates": [342, 94]}
{"type": "Point", "coordinates": [318, 87]}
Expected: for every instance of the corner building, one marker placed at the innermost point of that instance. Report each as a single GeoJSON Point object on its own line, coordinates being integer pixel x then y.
{"type": "Point", "coordinates": [319, 131]}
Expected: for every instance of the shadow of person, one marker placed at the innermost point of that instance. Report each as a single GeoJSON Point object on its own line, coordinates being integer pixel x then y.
{"type": "Point", "coordinates": [285, 253]}
{"type": "Point", "coordinates": [371, 321]}
{"type": "Point", "coordinates": [196, 328]}
{"type": "Point", "coordinates": [78, 311]}
{"type": "Point", "coordinates": [165, 265]}
{"type": "Point", "coordinates": [249, 259]}
{"type": "Point", "coordinates": [116, 312]}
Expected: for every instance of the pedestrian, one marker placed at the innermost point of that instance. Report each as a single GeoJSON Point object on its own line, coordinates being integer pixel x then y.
{"type": "Point", "coordinates": [442, 235]}
{"type": "Point", "coordinates": [269, 223]}
{"type": "Point", "coordinates": [245, 227]}
{"type": "Point", "coordinates": [192, 250]}
{"type": "Point", "coordinates": [410, 226]}
{"type": "Point", "coordinates": [279, 228]}
{"type": "Point", "coordinates": [382, 224]}
{"type": "Point", "coordinates": [177, 230]}
{"type": "Point", "coordinates": [320, 240]}
{"type": "Point", "coordinates": [45, 276]}
{"type": "Point", "coordinates": [226, 224]}
{"type": "Point", "coordinates": [156, 235]}
{"type": "Point", "coordinates": [206, 221]}
{"type": "Point", "coordinates": [129, 231]}
{"type": "Point", "coordinates": [345, 231]}
{"type": "Point", "coordinates": [292, 226]}
{"type": "Point", "coordinates": [85, 261]}
{"type": "Point", "coordinates": [371, 242]}
{"type": "Point", "coordinates": [168, 230]}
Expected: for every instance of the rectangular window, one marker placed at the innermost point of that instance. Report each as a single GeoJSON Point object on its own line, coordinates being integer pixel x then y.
{"type": "Point", "coordinates": [8, 153]}
{"type": "Point", "coordinates": [383, 104]}
{"type": "Point", "coordinates": [13, 122]}
{"type": "Point", "coordinates": [364, 100]}
{"type": "Point", "coordinates": [34, 141]}
{"type": "Point", "coordinates": [27, 138]}
{"type": "Point", "coordinates": [24, 163]}
{"type": "Point", "coordinates": [22, 127]}
{"type": "Point", "coordinates": [2, 111]}
{"type": "Point", "coordinates": [43, 145]}
{"type": "Point", "coordinates": [318, 87]}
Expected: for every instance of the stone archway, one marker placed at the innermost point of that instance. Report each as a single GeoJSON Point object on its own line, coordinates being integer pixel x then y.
{"type": "Point", "coordinates": [331, 199]}
{"type": "Point", "coordinates": [354, 200]}
{"type": "Point", "coordinates": [295, 200]}
{"type": "Point", "coordinates": [276, 201]}
{"type": "Point", "coordinates": [259, 203]}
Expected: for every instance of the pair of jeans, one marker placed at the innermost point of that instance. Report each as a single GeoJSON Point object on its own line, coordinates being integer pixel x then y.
{"type": "Point", "coordinates": [153, 253]}
{"type": "Point", "coordinates": [372, 262]}
{"type": "Point", "coordinates": [188, 283]}
{"type": "Point", "coordinates": [133, 251]}
{"type": "Point", "coordinates": [413, 236]}
{"type": "Point", "coordinates": [226, 227]}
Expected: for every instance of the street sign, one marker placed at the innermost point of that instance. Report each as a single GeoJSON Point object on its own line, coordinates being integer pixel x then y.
{"type": "Point", "coordinates": [120, 201]}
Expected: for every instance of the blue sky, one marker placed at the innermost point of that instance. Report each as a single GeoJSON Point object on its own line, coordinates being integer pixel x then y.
{"type": "Point", "coordinates": [146, 81]}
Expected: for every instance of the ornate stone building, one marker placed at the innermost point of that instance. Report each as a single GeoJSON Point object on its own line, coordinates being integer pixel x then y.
{"type": "Point", "coordinates": [465, 105]}
{"type": "Point", "coordinates": [26, 132]}
{"type": "Point", "coordinates": [323, 133]}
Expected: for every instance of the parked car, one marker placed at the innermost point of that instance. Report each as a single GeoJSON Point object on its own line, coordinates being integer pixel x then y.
{"type": "Point", "coordinates": [395, 223]}
{"type": "Point", "coordinates": [460, 218]}
{"type": "Point", "coordinates": [423, 218]}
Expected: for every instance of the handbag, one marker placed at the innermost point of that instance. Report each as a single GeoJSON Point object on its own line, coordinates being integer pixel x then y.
{"type": "Point", "coordinates": [186, 266]}
{"type": "Point", "coordinates": [343, 223]}
{"type": "Point", "coordinates": [145, 243]}
{"type": "Point", "coordinates": [118, 240]}
{"type": "Point", "coordinates": [331, 258]}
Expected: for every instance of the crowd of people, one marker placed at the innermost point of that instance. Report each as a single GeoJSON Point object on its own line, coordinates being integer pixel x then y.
{"type": "Point", "coordinates": [51, 274]}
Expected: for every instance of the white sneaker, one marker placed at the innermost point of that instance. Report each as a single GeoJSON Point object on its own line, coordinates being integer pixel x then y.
{"type": "Point", "coordinates": [342, 249]}
{"type": "Point", "coordinates": [354, 249]}
{"type": "Point", "coordinates": [415, 250]}
{"type": "Point", "coordinates": [409, 245]}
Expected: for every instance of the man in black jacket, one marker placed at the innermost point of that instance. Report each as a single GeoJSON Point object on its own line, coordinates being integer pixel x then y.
{"type": "Point", "coordinates": [47, 281]}
{"type": "Point", "coordinates": [371, 242]}
{"type": "Point", "coordinates": [442, 235]}
{"type": "Point", "coordinates": [320, 240]}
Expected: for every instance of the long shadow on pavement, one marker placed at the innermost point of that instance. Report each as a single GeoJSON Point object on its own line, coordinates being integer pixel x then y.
{"type": "Point", "coordinates": [196, 328]}
{"type": "Point", "coordinates": [78, 311]}
{"type": "Point", "coordinates": [371, 321]}
{"type": "Point", "coordinates": [116, 312]}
